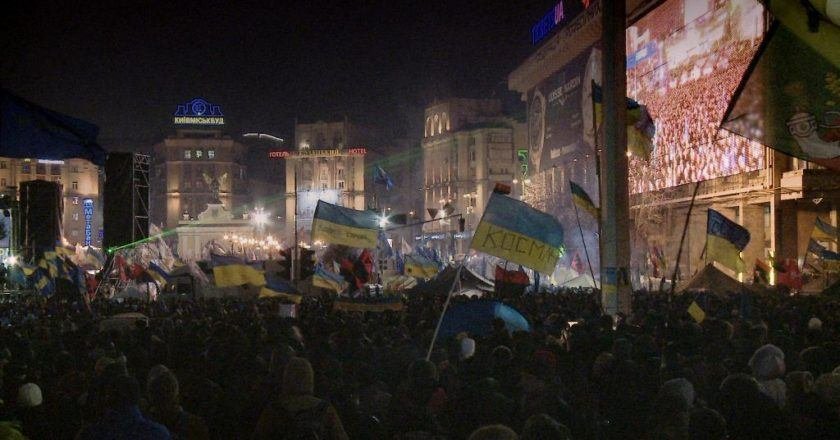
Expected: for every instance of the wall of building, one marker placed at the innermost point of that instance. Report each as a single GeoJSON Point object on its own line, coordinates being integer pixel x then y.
{"type": "Point", "coordinates": [181, 163]}
{"type": "Point", "coordinates": [469, 145]}
{"type": "Point", "coordinates": [79, 179]}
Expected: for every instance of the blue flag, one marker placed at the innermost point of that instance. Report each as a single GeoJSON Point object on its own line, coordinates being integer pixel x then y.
{"type": "Point", "coordinates": [380, 177]}
{"type": "Point", "coordinates": [28, 130]}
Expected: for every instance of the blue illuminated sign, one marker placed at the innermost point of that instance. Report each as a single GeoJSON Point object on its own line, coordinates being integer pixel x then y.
{"type": "Point", "coordinates": [199, 112]}
{"type": "Point", "coordinates": [87, 207]}
{"type": "Point", "coordinates": [559, 16]}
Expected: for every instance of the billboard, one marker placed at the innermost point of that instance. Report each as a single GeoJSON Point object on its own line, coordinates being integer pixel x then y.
{"type": "Point", "coordinates": [684, 61]}
{"type": "Point", "coordinates": [560, 113]}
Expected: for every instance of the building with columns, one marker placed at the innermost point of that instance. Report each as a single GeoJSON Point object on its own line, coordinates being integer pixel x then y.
{"type": "Point", "coordinates": [327, 163]}
{"type": "Point", "coordinates": [468, 146]}
{"type": "Point", "coordinates": [196, 164]}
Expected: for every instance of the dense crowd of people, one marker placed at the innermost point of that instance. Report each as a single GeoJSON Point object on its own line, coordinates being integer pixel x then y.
{"type": "Point", "coordinates": [758, 367]}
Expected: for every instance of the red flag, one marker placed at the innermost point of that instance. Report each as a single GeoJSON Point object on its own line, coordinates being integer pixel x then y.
{"type": "Point", "coordinates": [791, 277]}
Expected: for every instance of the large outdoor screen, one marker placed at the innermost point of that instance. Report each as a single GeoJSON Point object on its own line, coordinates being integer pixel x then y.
{"type": "Point", "coordinates": [684, 61]}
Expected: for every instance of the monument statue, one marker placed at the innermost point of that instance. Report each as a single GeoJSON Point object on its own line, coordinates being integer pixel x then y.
{"type": "Point", "coordinates": [215, 185]}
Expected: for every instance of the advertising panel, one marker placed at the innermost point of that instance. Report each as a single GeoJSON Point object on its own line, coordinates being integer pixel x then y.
{"type": "Point", "coordinates": [560, 112]}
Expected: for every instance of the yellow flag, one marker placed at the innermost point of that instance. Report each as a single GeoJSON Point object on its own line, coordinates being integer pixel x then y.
{"type": "Point", "coordinates": [696, 312]}
{"type": "Point", "coordinates": [237, 275]}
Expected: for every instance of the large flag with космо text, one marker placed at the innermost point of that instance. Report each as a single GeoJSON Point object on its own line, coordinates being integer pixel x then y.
{"type": "Point", "coordinates": [514, 231]}
{"type": "Point", "coordinates": [725, 240]}
{"type": "Point", "coordinates": [339, 225]}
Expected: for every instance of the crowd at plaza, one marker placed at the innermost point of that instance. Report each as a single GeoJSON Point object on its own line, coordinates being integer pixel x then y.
{"type": "Point", "coordinates": [758, 367]}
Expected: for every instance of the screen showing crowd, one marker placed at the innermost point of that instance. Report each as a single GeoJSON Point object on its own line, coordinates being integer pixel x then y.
{"type": "Point", "coordinates": [684, 61]}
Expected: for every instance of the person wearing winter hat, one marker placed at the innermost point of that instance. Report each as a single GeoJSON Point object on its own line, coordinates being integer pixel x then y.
{"type": "Point", "coordinates": [494, 432]}
{"type": "Point", "coordinates": [29, 395]}
{"type": "Point", "coordinates": [467, 348]}
{"type": "Point", "coordinates": [768, 367]}
{"type": "Point", "coordinates": [681, 388]}
{"type": "Point", "coordinates": [30, 412]}
{"type": "Point", "coordinates": [284, 416]}
{"type": "Point", "coordinates": [165, 408]}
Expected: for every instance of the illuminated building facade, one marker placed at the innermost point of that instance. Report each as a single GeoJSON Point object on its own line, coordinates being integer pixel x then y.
{"type": "Point", "coordinates": [196, 165]}
{"type": "Point", "coordinates": [468, 146]}
{"type": "Point", "coordinates": [684, 61]}
{"type": "Point", "coordinates": [80, 181]}
{"type": "Point", "coordinates": [327, 163]}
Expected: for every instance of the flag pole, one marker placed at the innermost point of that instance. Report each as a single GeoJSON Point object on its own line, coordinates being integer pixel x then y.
{"type": "Point", "coordinates": [682, 240]}
{"type": "Point", "coordinates": [455, 282]}
{"type": "Point", "coordinates": [585, 251]}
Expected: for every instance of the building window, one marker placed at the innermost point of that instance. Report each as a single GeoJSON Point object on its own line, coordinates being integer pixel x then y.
{"type": "Point", "coordinates": [75, 216]}
{"type": "Point", "coordinates": [75, 200]}
{"type": "Point", "coordinates": [75, 185]}
{"type": "Point", "coordinates": [25, 168]}
{"type": "Point", "coordinates": [3, 164]}
{"type": "Point", "coordinates": [340, 184]}
{"type": "Point", "coordinates": [323, 185]}
{"type": "Point", "coordinates": [198, 154]}
{"type": "Point", "coordinates": [187, 154]}
{"type": "Point", "coordinates": [3, 183]}
{"type": "Point", "coordinates": [75, 169]}
{"type": "Point", "coordinates": [40, 169]}
{"type": "Point", "coordinates": [339, 172]}
{"type": "Point", "coordinates": [55, 170]}
{"type": "Point", "coordinates": [211, 154]}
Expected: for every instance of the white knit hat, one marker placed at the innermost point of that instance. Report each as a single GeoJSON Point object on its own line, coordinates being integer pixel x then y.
{"type": "Point", "coordinates": [29, 395]}
{"type": "Point", "coordinates": [814, 324]}
{"type": "Point", "coordinates": [467, 348]}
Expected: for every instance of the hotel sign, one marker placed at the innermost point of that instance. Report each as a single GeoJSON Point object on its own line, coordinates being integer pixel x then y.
{"type": "Point", "coordinates": [285, 154]}
{"type": "Point", "coordinates": [198, 112]}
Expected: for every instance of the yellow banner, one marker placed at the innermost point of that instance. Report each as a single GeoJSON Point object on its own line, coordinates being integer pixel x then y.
{"type": "Point", "coordinates": [515, 247]}
{"type": "Point", "coordinates": [330, 232]}
{"type": "Point", "coordinates": [237, 275]}
{"type": "Point", "coordinates": [724, 252]}
{"type": "Point", "coordinates": [265, 292]}
{"type": "Point", "coordinates": [363, 307]}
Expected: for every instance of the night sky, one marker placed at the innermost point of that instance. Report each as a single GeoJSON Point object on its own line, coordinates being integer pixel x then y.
{"type": "Point", "coordinates": [125, 67]}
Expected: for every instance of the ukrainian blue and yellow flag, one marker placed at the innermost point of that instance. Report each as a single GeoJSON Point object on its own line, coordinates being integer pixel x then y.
{"type": "Point", "coordinates": [420, 266]}
{"type": "Point", "coordinates": [328, 280]}
{"type": "Point", "coordinates": [582, 201]}
{"type": "Point", "coordinates": [514, 231]}
{"type": "Point", "coordinates": [44, 284]}
{"type": "Point", "coordinates": [157, 273]}
{"type": "Point", "coordinates": [237, 275]}
{"type": "Point", "coordinates": [824, 231]}
{"type": "Point", "coordinates": [725, 240]}
{"type": "Point", "coordinates": [349, 227]}
{"type": "Point", "coordinates": [641, 128]}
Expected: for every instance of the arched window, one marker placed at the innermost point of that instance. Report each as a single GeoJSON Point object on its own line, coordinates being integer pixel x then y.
{"type": "Point", "coordinates": [428, 131]}
{"type": "Point", "coordinates": [445, 121]}
{"type": "Point", "coordinates": [436, 124]}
